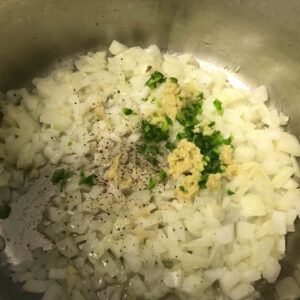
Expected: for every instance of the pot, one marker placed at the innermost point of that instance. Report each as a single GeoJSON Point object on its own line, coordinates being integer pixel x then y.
{"type": "Point", "coordinates": [259, 41]}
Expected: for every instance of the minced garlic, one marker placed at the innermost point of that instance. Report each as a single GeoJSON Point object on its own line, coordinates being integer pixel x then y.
{"type": "Point", "coordinates": [214, 181]}
{"type": "Point", "coordinates": [226, 155]}
{"type": "Point", "coordinates": [204, 127]}
{"type": "Point", "coordinates": [189, 187]}
{"type": "Point", "coordinates": [231, 171]}
{"type": "Point", "coordinates": [185, 158]}
{"type": "Point", "coordinates": [170, 102]}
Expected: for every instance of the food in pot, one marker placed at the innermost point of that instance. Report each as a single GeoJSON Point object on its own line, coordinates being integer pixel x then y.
{"type": "Point", "coordinates": [168, 179]}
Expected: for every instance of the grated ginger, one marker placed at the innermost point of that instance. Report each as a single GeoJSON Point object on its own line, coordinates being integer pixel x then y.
{"type": "Point", "coordinates": [185, 158]}
{"type": "Point", "coordinates": [214, 181]}
{"type": "Point", "coordinates": [170, 102]}
{"type": "Point", "coordinates": [226, 155]}
{"type": "Point", "coordinates": [190, 186]}
{"type": "Point", "coordinates": [204, 127]}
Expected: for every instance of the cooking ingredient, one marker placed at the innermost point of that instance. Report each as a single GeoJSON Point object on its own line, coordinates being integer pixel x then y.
{"type": "Point", "coordinates": [128, 111]}
{"type": "Point", "coordinates": [218, 106]}
{"type": "Point", "coordinates": [88, 180]}
{"type": "Point", "coordinates": [61, 176]}
{"type": "Point", "coordinates": [188, 183]}
{"type": "Point", "coordinates": [155, 79]}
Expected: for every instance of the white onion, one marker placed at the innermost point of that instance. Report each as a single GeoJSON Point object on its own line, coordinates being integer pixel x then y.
{"type": "Point", "coordinates": [109, 240]}
{"type": "Point", "coordinates": [241, 291]}
{"type": "Point", "coordinates": [271, 269]}
{"type": "Point", "coordinates": [53, 292]}
{"type": "Point", "coordinates": [288, 288]}
{"type": "Point", "coordinates": [35, 286]}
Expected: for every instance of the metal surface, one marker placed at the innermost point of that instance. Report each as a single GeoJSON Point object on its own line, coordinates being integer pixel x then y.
{"type": "Point", "coordinates": [261, 38]}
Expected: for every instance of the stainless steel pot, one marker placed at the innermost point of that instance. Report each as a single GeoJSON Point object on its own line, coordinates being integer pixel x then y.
{"type": "Point", "coordinates": [262, 38]}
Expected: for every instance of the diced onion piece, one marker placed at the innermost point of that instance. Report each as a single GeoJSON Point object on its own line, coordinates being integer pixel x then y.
{"type": "Point", "coordinates": [117, 48]}
{"type": "Point", "coordinates": [109, 265]}
{"type": "Point", "coordinates": [241, 291]}
{"type": "Point", "coordinates": [57, 274]}
{"type": "Point", "coordinates": [213, 274]}
{"type": "Point", "coordinates": [289, 144]}
{"type": "Point", "coordinates": [250, 274]}
{"type": "Point", "coordinates": [288, 288]}
{"type": "Point", "coordinates": [35, 286]}
{"type": "Point", "coordinates": [57, 120]}
{"type": "Point", "coordinates": [225, 234]}
{"type": "Point", "coordinates": [136, 286]}
{"type": "Point", "coordinates": [279, 222]}
{"type": "Point", "coordinates": [53, 292]}
{"type": "Point", "coordinates": [282, 177]}
{"type": "Point", "coordinates": [245, 231]}
{"type": "Point", "coordinates": [271, 269]}
{"type": "Point", "coordinates": [259, 95]}
{"type": "Point", "coordinates": [173, 279]}
{"type": "Point", "coordinates": [252, 206]}
{"type": "Point", "coordinates": [194, 285]}
{"type": "Point", "coordinates": [67, 247]}
{"type": "Point", "coordinates": [132, 262]}
{"type": "Point", "coordinates": [55, 214]}
{"type": "Point", "coordinates": [71, 277]}
{"type": "Point", "coordinates": [229, 280]}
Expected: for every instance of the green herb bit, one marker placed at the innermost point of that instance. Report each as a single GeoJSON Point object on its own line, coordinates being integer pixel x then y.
{"type": "Point", "coordinates": [170, 146]}
{"type": "Point", "coordinates": [230, 192]}
{"type": "Point", "coordinates": [151, 184]}
{"type": "Point", "coordinates": [165, 127]}
{"type": "Point", "coordinates": [207, 143]}
{"type": "Point", "coordinates": [150, 151]}
{"type": "Point", "coordinates": [188, 115]}
{"type": "Point", "coordinates": [182, 189]}
{"type": "Point", "coordinates": [61, 176]}
{"type": "Point", "coordinates": [218, 106]}
{"type": "Point", "coordinates": [180, 136]}
{"type": "Point", "coordinates": [128, 111]}
{"type": "Point", "coordinates": [203, 181]}
{"type": "Point", "coordinates": [168, 120]}
{"type": "Point", "coordinates": [228, 141]}
{"type": "Point", "coordinates": [153, 133]}
{"type": "Point", "coordinates": [210, 147]}
{"type": "Point", "coordinates": [155, 79]}
{"type": "Point", "coordinates": [186, 134]}
{"type": "Point", "coordinates": [214, 165]}
{"type": "Point", "coordinates": [88, 180]}
{"type": "Point", "coordinates": [162, 175]}
{"type": "Point", "coordinates": [174, 80]}
{"type": "Point", "coordinates": [199, 97]}
{"type": "Point", "coordinates": [212, 124]}
{"type": "Point", "coordinates": [207, 159]}
{"type": "Point", "coordinates": [4, 211]}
